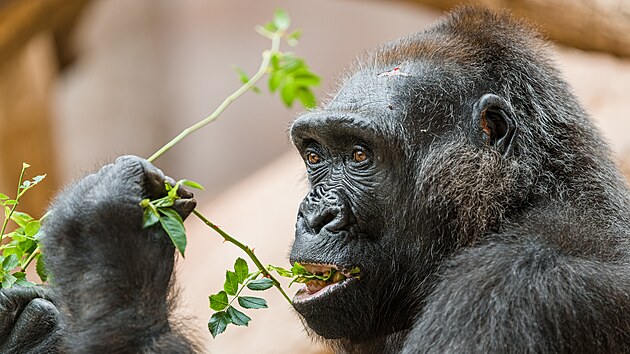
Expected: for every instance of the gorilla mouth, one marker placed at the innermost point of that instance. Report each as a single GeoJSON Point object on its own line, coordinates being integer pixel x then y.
{"type": "Point", "coordinates": [330, 279]}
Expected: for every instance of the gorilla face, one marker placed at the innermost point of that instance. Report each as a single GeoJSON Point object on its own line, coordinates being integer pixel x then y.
{"type": "Point", "coordinates": [360, 210]}
{"type": "Point", "coordinates": [405, 164]}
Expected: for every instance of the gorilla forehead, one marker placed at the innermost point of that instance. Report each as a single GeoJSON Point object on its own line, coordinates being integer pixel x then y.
{"type": "Point", "coordinates": [392, 101]}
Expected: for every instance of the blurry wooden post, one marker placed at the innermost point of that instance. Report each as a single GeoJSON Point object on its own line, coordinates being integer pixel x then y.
{"type": "Point", "coordinates": [600, 25]}
{"type": "Point", "coordinates": [28, 66]}
{"type": "Point", "coordinates": [25, 83]}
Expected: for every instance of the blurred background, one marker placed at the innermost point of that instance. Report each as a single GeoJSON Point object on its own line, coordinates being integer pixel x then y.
{"type": "Point", "coordinates": [82, 82]}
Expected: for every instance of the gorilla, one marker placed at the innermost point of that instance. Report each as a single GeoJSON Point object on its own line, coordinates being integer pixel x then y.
{"type": "Point", "coordinates": [454, 168]}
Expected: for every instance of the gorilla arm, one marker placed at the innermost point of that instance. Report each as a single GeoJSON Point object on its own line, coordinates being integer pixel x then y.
{"type": "Point", "coordinates": [111, 276]}
{"type": "Point", "coordinates": [521, 294]}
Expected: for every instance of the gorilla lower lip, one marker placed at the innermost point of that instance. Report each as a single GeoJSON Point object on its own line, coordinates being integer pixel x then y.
{"type": "Point", "coordinates": [311, 292]}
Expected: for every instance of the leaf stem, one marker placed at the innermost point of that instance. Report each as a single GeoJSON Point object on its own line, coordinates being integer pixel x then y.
{"type": "Point", "coordinates": [264, 67]}
{"type": "Point", "coordinates": [30, 258]}
{"type": "Point", "coordinates": [243, 286]}
{"type": "Point", "coordinates": [247, 250]}
{"type": "Point", "coordinates": [17, 199]}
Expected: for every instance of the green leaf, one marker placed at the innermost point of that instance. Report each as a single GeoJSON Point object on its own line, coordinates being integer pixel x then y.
{"type": "Point", "coordinates": [306, 97]}
{"type": "Point", "coordinates": [8, 280]}
{"type": "Point", "coordinates": [275, 61]}
{"type": "Point", "coordinates": [251, 302]}
{"type": "Point", "coordinates": [174, 227]}
{"type": "Point", "coordinates": [281, 271]}
{"type": "Point", "coordinates": [238, 318]}
{"type": "Point", "coordinates": [3, 196]}
{"type": "Point", "coordinates": [275, 79]}
{"type": "Point", "coordinates": [241, 269]}
{"type": "Point", "coordinates": [271, 27]}
{"type": "Point", "coordinates": [21, 218]}
{"type": "Point", "coordinates": [10, 262]}
{"type": "Point", "coordinates": [26, 184]}
{"type": "Point", "coordinates": [288, 95]}
{"type": "Point", "coordinates": [20, 279]}
{"type": "Point", "coordinates": [242, 75]}
{"type": "Point", "coordinates": [167, 201]}
{"type": "Point", "coordinates": [192, 184]}
{"type": "Point", "coordinates": [32, 228]}
{"type": "Point", "coordinates": [218, 323]}
{"type": "Point", "coordinates": [231, 283]}
{"type": "Point", "coordinates": [281, 19]}
{"type": "Point", "coordinates": [150, 216]}
{"type": "Point", "coordinates": [260, 284]}
{"type": "Point", "coordinates": [40, 267]}
{"type": "Point", "coordinates": [293, 38]}
{"type": "Point", "coordinates": [10, 202]}
{"type": "Point", "coordinates": [219, 301]}
{"type": "Point", "coordinates": [306, 78]}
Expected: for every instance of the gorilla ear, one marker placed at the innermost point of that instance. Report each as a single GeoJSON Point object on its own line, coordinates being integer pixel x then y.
{"type": "Point", "coordinates": [495, 118]}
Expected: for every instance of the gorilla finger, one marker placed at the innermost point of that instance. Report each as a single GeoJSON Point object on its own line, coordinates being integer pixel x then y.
{"type": "Point", "coordinates": [184, 207]}
{"type": "Point", "coordinates": [154, 183]}
{"type": "Point", "coordinates": [39, 319]}
{"type": "Point", "coordinates": [181, 191]}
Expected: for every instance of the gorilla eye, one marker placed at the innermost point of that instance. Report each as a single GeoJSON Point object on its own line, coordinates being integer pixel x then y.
{"type": "Point", "coordinates": [359, 155]}
{"type": "Point", "coordinates": [313, 158]}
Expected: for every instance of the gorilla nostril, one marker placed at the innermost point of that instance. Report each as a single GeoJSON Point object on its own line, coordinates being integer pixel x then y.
{"type": "Point", "coordinates": [333, 219]}
{"type": "Point", "coordinates": [319, 219]}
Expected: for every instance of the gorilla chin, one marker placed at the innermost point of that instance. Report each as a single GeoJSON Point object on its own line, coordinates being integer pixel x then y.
{"type": "Point", "coordinates": [331, 312]}
{"type": "Point", "coordinates": [331, 308]}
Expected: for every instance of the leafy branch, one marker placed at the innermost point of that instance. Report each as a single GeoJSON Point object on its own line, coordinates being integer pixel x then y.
{"type": "Point", "coordinates": [23, 247]}
{"type": "Point", "coordinates": [286, 72]}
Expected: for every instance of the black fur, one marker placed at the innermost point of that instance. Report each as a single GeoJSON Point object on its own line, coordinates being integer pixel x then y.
{"type": "Point", "coordinates": [112, 277]}
{"type": "Point", "coordinates": [489, 217]}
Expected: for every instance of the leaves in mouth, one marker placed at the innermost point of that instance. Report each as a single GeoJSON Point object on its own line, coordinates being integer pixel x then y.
{"type": "Point", "coordinates": [301, 275]}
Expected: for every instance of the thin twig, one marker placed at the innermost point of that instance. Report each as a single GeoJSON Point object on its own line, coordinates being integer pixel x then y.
{"type": "Point", "coordinates": [264, 66]}
{"type": "Point", "coordinates": [247, 250]}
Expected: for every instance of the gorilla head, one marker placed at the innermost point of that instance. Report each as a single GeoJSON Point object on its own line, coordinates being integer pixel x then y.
{"type": "Point", "coordinates": [434, 142]}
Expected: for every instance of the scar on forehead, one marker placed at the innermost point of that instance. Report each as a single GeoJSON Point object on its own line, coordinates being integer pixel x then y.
{"type": "Point", "coordinates": [394, 72]}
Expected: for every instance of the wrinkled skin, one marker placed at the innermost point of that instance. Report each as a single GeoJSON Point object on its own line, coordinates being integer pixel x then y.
{"type": "Point", "coordinates": [29, 322]}
{"type": "Point", "coordinates": [458, 172]}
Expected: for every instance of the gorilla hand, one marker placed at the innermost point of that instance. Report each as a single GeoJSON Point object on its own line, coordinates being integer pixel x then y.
{"type": "Point", "coordinates": [112, 275]}
{"type": "Point", "coordinates": [29, 322]}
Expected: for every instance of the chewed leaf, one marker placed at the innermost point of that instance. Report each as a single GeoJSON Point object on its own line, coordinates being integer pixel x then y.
{"type": "Point", "coordinates": [238, 318]}
{"type": "Point", "coordinates": [241, 269]}
{"type": "Point", "coordinates": [260, 284]}
{"type": "Point", "coordinates": [251, 302]}
{"type": "Point", "coordinates": [174, 227]}
{"type": "Point", "coordinates": [219, 301]}
{"type": "Point", "coordinates": [281, 271]}
{"type": "Point", "coordinates": [218, 323]}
